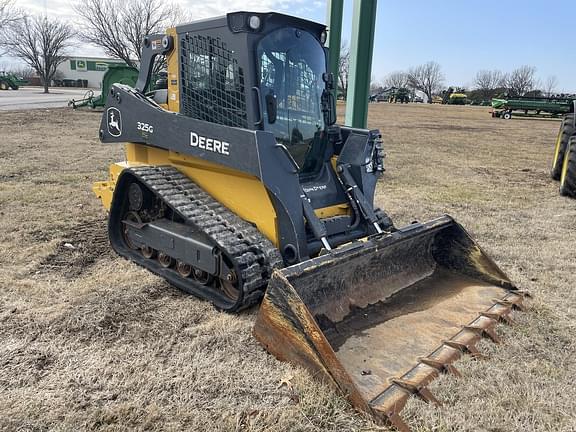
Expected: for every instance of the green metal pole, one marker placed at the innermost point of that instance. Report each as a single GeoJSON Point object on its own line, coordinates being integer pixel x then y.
{"type": "Point", "coordinates": [361, 48]}
{"type": "Point", "coordinates": [334, 13]}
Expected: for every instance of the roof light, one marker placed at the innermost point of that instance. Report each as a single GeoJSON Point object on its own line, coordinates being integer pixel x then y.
{"type": "Point", "coordinates": [254, 22]}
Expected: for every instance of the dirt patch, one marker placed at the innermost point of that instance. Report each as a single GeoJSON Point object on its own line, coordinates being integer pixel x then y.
{"type": "Point", "coordinates": [79, 249]}
{"type": "Point", "coordinates": [447, 128]}
{"type": "Point", "coordinates": [501, 175]}
{"type": "Point", "coordinates": [113, 314]}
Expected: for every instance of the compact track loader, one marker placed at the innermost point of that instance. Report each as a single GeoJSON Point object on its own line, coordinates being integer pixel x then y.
{"type": "Point", "coordinates": [239, 188]}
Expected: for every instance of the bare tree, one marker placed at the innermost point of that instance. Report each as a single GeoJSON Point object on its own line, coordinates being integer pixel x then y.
{"type": "Point", "coordinates": [8, 13]}
{"type": "Point", "coordinates": [427, 78]}
{"type": "Point", "coordinates": [40, 42]}
{"type": "Point", "coordinates": [550, 85]}
{"type": "Point", "coordinates": [343, 69]}
{"type": "Point", "coordinates": [396, 79]}
{"type": "Point", "coordinates": [375, 85]}
{"type": "Point", "coordinates": [521, 80]}
{"type": "Point", "coordinates": [24, 72]}
{"type": "Point", "coordinates": [119, 26]}
{"type": "Point", "coordinates": [487, 82]}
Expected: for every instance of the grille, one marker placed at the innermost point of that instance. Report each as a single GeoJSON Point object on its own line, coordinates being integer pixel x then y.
{"type": "Point", "coordinates": [212, 81]}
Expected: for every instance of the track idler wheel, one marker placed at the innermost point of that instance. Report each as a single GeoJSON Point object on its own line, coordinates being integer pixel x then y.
{"type": "Point", "coordinates": [229, 286]}
{"type": "Point", "coordinates": [230, 290]}
{"type": "Point", "coordinates": [135, 196]}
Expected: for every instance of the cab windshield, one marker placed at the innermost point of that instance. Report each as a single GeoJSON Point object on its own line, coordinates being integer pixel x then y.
{"type": "Point", "coordinates": [291, 64]}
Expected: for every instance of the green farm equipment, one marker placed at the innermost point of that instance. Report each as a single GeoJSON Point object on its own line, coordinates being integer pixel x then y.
{"type": "Point", "coordinates": [392, 95]}
{"type": "Point", "coordinates": [564, 162]}
{"type": "Point", "coordinates": [454, 96]}
{"type": "Point", "coordinates": [538, 106]}
{"type": "Point", "coordinates": [20, 81]}
{"type": "Point", "coordinates": [10, 81]}
{"type": "Point", "coordinates": [458, 99]}
{"type": "Point", "coordinates": [400, 95]}
{"type": "Point", "coordinates": [120, 74]}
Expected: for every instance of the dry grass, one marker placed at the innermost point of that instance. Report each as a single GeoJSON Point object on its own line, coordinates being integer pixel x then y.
{"type": "Point", "coordinates": [90, 341]}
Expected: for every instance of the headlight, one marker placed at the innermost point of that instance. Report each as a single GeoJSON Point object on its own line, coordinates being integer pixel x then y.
{"type": "Point", "coordinates": [254, 22]}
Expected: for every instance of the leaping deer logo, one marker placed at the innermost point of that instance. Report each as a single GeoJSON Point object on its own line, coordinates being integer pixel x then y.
{"type": "Point", "coordinates": [114, 122]}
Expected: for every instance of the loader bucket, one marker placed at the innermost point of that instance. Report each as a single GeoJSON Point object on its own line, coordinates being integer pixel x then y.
{"type": "Point", "coordinates": [384, 316]}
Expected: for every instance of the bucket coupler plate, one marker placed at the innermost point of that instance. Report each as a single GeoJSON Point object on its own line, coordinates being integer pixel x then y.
{"type": "Point", "coordinates": [382, 317]}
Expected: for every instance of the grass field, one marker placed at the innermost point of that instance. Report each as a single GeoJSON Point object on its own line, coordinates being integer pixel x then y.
{"type": "Point", "coordinates": [90, 341]}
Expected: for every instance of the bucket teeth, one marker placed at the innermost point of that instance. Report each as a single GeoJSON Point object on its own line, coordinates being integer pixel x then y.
{"type": "Point", "coordinates": [418, 390]}
{"type": "Point", "coordinates": [512, 304]}
{"type": "Point", "coordinates": [499, 317]}
{"type": "Point", "coordinates": [440, 366]}
{"type": "Point", "coordinates": [397, 421]}
{"type": "Point", "coordinates": [523, 293]}
{"type": "Point", "coordinates": [468, 348]}
{"type": "Point", "coordinates": [441, 360]}
{"type": "Point", "coordinates": [487, 331]}
{"type": "Point", "coordinates": [514, 299]}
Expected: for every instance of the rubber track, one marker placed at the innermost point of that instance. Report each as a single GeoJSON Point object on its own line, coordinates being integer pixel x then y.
{"type": "Point", "coordinates": [253, 254]}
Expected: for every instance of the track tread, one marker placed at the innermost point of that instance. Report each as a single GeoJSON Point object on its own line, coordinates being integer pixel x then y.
{"type": "Point", "coordinates": [253, 254]}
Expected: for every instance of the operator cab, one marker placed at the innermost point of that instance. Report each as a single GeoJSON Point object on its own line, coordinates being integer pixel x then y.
{"type": "Point", "coordinates": [280, 85]}
{"type": "Point", "coordinates": [291, 63]}
{"type": "Point", "coordinates": [291, 70]}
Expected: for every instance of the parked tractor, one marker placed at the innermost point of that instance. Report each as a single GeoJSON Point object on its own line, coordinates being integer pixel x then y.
{"type": "Point", "coordinates": [9, 81]}
{"type": "Point", "coordinates": [564, 161]}
{"type": "Point", "coordinates": [392, 95]}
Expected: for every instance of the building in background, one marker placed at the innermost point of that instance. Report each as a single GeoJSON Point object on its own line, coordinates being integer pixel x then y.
{"type": "Point", "coordinates": [83, 71]}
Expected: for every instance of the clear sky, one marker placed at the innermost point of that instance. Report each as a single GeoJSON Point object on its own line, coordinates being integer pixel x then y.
{"type": "Point", "coordinates": [463, 36]}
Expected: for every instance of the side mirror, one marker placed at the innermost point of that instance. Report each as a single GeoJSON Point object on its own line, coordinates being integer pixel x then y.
{"type": "Point", "coordinates": [271, 107]}
{"type": "Point", "coordinates": [328, 107]}
{"type": "Point", "coordinates": [328, 78]}
{"type": "Point", "coordinates": [328, 99]}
